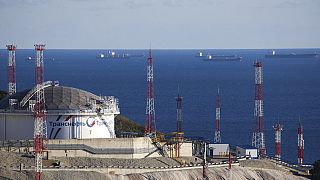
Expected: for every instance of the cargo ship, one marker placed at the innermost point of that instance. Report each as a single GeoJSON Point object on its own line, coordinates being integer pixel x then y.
{"type": "Point", "coordinates": [222, 58]}
{"type": "Point", "coordinates": [114, 55]}
{"type": "Point", "coordinates": [210, 57]}
{"type": "Point", "coordinates": [199, 54]}
{"type": "Point", "coordinates": [292, 55]}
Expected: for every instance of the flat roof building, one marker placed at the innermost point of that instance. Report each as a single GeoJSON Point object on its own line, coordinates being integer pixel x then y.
{"type": "Point", "coordinates": [221, 150]}
{"type": "Point", "coordinates": [247, 150]}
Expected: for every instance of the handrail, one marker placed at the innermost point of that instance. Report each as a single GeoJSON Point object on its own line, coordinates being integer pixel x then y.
{"type": "Point", "coordinates": [34, 90]}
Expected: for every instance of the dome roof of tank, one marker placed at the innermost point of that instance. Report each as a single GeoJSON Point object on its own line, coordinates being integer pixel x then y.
{"type": "Point", "coordinates": [57, 98]}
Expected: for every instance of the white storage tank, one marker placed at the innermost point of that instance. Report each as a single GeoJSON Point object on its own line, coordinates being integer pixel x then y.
{"type": "Point", "coordinates": [71, 113]}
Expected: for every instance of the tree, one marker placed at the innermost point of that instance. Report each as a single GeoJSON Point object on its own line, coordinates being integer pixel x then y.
{"type": "Point", "coordinates": [2, 94]}
{"type": "Point", "coordinates": [316, 170]}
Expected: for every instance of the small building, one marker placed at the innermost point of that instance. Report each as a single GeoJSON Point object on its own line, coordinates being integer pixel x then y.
{"type": "Point", "coordinates": [183, 149]}
{"type": "Point", "coordinates": [218, 150]}
{"type": "Point", "coordinates": [247, 150]}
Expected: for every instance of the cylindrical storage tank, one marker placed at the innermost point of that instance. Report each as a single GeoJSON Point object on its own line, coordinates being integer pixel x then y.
{"type": "Point", "coordinates": [70, 114]}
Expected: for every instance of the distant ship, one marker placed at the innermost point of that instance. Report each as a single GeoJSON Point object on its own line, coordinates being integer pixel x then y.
{"type": "Point", "coordinates": [292, 55]}
{"type": "Point", "coordinates": [199, 54]}
{"type": "Point", "coordinates": [31, 58]}
{"type": "Point", "coordinates": [209, 57]}
{"type": "Point", "coordinates": [114, 55]}
{"type": "Point", "coordinates": [222, 58]}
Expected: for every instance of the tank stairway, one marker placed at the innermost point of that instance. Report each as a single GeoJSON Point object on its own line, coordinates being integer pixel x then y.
{"type": "Point", "coordinates": [111, 131]}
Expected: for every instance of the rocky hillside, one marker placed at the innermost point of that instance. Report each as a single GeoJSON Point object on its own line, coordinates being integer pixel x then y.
{"type": "Point", "coordinates": [251, 169]}
{"type": "Point", "coordinates": [236, 173]}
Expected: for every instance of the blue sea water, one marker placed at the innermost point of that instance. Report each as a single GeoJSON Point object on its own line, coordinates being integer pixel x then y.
{"type": "Point", "coordinates": [291, 90]}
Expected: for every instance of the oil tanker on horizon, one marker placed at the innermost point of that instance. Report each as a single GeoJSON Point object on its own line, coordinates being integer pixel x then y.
{"type": "Point", "coordinates": [209, 57]}
{"type": "Point", "coordinates": [292, 55]}
{"type": "Point", "coordinates": [222, 58]}
{"type": "Point", "coordinates": [114, 55]}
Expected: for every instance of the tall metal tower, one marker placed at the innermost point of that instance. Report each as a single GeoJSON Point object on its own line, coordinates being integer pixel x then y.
{"type": "Point", "coordinates": [40, 127]}
{"type": "Point", "coordinates": [300, 145]}
{"type": "Point", "coordinates": [150, 126]}
{"type": "Point", "coordinates": [12, 87]}
{"type": "Point", "coordinates": [258, 140]}
{"type": "Point", "coordinates": [277, 130]}
{"type": "Point", "coordinates": [217, 135]}
{"type": "Point", "coordinates": [179, 113]}
{"type": "Point", "coordinates": [204, 163]}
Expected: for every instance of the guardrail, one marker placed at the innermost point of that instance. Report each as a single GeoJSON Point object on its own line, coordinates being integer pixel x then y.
{"type": "Point", "coordinates": [220, 164]}
{"type": "Point", "coordinates": [301, 168]}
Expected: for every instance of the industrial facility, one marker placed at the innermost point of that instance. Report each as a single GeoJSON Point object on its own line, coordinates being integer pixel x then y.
{"type": "Point", "coordinates": [62, 121]}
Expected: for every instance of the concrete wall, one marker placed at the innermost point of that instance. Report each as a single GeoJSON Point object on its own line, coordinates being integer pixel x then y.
{"type": "Point", "coordinates": [185, 149]}
{"type": "Point", "coordinates": [126, 148]}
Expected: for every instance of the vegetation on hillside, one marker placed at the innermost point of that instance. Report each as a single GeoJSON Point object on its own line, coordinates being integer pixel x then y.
{"type": "Point", "coordinates": [316, 170]}
{"type": "Point", "coordinates": [2, 94]}
{"type": "Point", "coordinates": [124, 124]}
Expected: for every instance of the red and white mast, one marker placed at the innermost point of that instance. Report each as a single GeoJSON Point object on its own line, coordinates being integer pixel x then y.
{"type": "Point", "coordinates": [40, 128]}
{"type": "Point", "coordinates": [179, 113]}
{"type": "Point", "coordinates": [150, 126]}
{"type": "Point", "coordinates": [12, 87]}
{"type": "Point", "coordinates": [217, 135]}
{"type": "Point", "coordinates": [300, 145]}
{"type": "Point", "coordinates": [258, 139]}
{"type": "Point", "coordinates": [277, 130]}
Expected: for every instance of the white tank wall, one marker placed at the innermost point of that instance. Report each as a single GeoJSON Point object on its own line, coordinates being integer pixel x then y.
{"type": "Point", "coordinates": [15, 127]}
{"type": "Point", "coordinates": [20, 127]}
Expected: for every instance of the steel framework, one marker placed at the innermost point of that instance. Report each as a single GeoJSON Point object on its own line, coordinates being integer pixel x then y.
{"type": "Point", "coordinates": [12, 87]}
{"type": "Point", "coordinates": [179, 113]}
{"type": "Point", "coordinates": [300, 144]}
{"type": "Point", "coordinates": [217, 134]}
{"type": "Point", "coordinates": [150, 126]}
{"type": "Point", "coordinates": [277, 130]}
{"type": "Point", "coordinates": [40, 128]}
{"type": "Point", "coordinates": [258, 139]}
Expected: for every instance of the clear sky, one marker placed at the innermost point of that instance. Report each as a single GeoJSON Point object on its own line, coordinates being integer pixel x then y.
{"type": "Point", "coordinates": [92, 24]}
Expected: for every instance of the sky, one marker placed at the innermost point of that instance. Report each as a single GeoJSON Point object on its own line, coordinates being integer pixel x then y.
{"type": "Point", "coordinates": [166, 24]}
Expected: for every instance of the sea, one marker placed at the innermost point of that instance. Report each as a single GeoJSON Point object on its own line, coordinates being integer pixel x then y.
{"type": "Point", "coordinates": [291, 89]}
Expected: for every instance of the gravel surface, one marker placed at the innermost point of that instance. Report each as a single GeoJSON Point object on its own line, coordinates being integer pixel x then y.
{"type": "Point", "coordinates": [6, 174]}
{"type": "Point", "coordinates": [73, 175]}
{"type": "Point", "coordinates": [14, 159]}
{"type": "Point", "coordinates": [149, 162]}
{"type": "Point", "coordinates": [265, 164]}
{"type": "Point", "coordinates": [236, 173]}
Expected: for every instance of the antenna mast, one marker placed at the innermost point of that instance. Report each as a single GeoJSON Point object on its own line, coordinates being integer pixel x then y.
{"type": "Point", "coordinates": [12, 87]}
{"type": "Point", "coordinates": [277, 129]}
{"type": "Point", "coordinates": [217, 135]}
{"type": "Point", "coordinates": [258, 140]}
{"type": "Point", "coordinates": [40, 126]}
{"type": "Point", "coordinates": [150, 126]}
{"type": "Point", "coordinates": [300, 145]}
